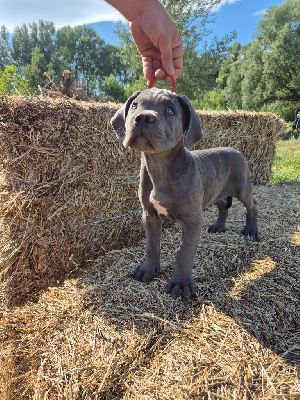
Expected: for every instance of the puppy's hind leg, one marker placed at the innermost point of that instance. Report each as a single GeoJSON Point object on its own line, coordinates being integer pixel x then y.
{"type": "Point", "coordinates": [250, 230]}
{"type": "Point", "coordinates": [223, 206]}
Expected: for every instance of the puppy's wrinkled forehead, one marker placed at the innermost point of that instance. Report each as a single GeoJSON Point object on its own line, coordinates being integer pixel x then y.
{"type": "Point", "coordinates": [155, 98]}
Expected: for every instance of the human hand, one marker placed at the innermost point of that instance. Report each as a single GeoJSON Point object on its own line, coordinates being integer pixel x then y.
{"type": "Point", "coordinates": [158, 41]}
{"type": "Point", "coordinates": [156, 38]}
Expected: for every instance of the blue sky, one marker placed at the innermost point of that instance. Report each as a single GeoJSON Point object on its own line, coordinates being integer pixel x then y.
{"type": "Point", "coordinates": [239, 15]}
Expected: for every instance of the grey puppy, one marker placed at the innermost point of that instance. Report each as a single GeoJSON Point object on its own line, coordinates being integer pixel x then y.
{"type": "Point", "coordinates": [177, 183]}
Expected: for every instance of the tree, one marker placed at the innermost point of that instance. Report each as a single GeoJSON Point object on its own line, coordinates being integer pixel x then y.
{"type": "Point", "coordinates": [233, 87]}
{"type": "Point", "coordinates": [11, 83]}
{"type": "Point", "coordinates": [65, 43]}
{"type": "Point", "coordinates": [5, 49]}
{"type": "Point", "coordinates": [210, 100]}
{"type": "Point", "coordinates": [21, 46]}
{"type": "Point", "coordinates": [267, 70]}
{"type": "Point", "coordinates": [133, 69]}
{"type": "Point", "coordinates": [208, 66]}
{"type": "Point", "coordinates": [279, 33]}
{"type": "Point", "coordinates": [38, 48]}
{"type": "Point", "coordinates": [232, 56]}
{"type": "Point", "coordinates": [34, 52]}
{"type": "Point", "coordinates": [42, 36]}
{"type": "Point", "coordinates": [87, 55]}
{"type": "Point", "coordinates": [112, 87]}
{"type": "Point", "coordinates": [253, 88]}
{"type": "Point", "coordinates": [34, 72]}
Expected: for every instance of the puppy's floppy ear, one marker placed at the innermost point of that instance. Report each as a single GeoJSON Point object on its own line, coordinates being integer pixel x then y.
{"type": "Point", "coordinates": [118, 120]}
{"type": "Point", "coordinates": [191, 122]}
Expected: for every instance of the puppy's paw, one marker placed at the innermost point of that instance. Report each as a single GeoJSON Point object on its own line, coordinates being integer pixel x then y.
{"type": "Point", "coordinates": [217, 228]}
{"type": "Point", "coordinates": [250, 232]}
{"type": "Point", "coordinates": [184, 287]}
{"type": "Point", "coordinates": [145, 272]}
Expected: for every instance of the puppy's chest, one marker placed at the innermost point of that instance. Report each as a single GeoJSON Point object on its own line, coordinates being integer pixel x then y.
{"type": "Point", "coordinates": [162, 206]}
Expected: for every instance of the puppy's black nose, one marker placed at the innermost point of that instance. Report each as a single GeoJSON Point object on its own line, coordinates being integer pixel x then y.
{"type": "Point", "coordinates": [144, 118]}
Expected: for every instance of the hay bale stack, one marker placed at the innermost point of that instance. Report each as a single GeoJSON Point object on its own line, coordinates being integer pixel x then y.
{"type": "Point", "coordinates": [254, 134]}
{"type": "Point", "coordinates": [68, 191]}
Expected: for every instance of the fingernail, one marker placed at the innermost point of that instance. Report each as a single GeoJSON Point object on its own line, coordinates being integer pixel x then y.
{"type": "Point", "coordinates": [171, 71]}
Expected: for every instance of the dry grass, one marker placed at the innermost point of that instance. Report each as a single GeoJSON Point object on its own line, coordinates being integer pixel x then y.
{"type": "Point", "coordinates": [103, 335]}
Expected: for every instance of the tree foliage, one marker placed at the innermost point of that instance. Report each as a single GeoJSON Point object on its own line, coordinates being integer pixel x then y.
{"type": "Point", "coordinates": [262, 75]}
{"type": "Point", "coordinates": [5, 49]}
{"type": "Point", "coordinates": [112, 87]}
{"type": "Point", "coordinates": [266, 70]}
{"type": "Point", "coordinates": [86, 54]}
{"type": "Point", "coordinates": [210, 100]}
{"type": "Point", "coordinates": [11, 83]}
{"type": "Point", "coordinates": [37, 48]}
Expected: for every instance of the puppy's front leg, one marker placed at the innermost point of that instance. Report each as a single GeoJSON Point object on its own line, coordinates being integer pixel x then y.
{"type": "Point", "coordinates": [181, 282]}
{"type": "Point", "coordinates": [151, 266]}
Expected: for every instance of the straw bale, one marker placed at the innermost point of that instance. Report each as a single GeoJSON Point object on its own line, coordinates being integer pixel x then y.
{"type": "Point", "coordinates": [105, 336]}
{"type": "Point", "coordinates": [68, 190]}
{"type": "Point", "coordinates": [254, 134]}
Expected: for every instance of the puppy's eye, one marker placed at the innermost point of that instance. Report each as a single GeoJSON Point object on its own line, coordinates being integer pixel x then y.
{"type": "Point", "coordinates": [134, 106]}
{"type": "Point", "coordinates": [170, 110]}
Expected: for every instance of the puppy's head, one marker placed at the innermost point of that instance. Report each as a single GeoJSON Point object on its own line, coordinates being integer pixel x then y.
{"type": "Point", "coordinates": [155, 120]}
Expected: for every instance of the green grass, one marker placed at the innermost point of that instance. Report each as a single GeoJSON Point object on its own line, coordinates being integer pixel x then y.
{"type": "Point", "coordinates": [287, 161]}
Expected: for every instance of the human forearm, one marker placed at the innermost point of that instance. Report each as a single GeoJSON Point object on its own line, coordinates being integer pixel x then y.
{"type": "Point", "coordinates": [133, 8]}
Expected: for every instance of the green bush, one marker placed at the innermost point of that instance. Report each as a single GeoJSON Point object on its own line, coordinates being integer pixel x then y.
{"type": "Point", "coordinates": [212, 100]}
{"type": "Point", "coordinates": [285, 109]}
{"type": "Point", "coordinates": [11, 83]}
{"type": "Point", "coordinates": [112, 87]}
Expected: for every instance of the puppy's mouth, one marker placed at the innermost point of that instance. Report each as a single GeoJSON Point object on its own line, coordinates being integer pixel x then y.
{"type": "Point", "coordinates": [139, 142]}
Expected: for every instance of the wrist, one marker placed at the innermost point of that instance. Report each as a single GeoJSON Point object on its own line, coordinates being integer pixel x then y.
{"type": "Point", "coordinates": [132, 9]}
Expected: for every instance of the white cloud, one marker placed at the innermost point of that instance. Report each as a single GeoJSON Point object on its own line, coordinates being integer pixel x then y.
{"type": "Point", "coordinates": [61, 12]}
{"type": "Point", "coordinates": [260, 12]}
{"type": "Point", "coordinates": [223, 3]}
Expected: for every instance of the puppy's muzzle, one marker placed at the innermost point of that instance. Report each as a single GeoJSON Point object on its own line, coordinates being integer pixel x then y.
{"type": "Point", "coordinates": [140, 136]}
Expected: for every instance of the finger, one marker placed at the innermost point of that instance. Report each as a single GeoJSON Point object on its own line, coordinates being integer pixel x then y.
{"type": "Point", "coordinates": [167, 58]}
{"type": "Point", "coordinates": [148, 67]}
{"type": "Point", "coordinates": [160, 74]}
{"type": "Point", "coordinates": [178, 60]}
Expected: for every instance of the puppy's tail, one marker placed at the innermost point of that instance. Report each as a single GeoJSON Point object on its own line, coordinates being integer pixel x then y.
{"type": "Point", "coordinates": [228, 201]}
